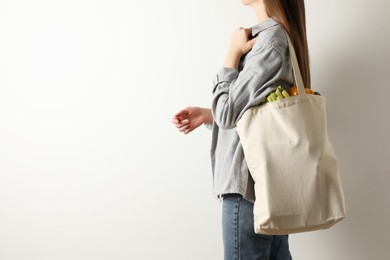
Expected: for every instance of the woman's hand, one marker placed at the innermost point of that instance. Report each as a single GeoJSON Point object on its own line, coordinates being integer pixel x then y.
{"type": "Point", "coordinates": [191, 118]}
{"type": "Point", "coordinates": [240, 44]}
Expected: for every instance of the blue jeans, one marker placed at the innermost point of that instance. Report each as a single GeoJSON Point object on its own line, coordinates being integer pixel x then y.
{"type": "Point", "coordinates": [239, 239]}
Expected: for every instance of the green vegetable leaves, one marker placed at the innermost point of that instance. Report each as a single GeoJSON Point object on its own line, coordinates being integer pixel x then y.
{"type": "Point", "coordinates": [278, 94]}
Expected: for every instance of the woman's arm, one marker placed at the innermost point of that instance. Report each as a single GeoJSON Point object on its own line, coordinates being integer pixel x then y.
{"type": "Point", "coordinates": [191, 118]}
{"type": "Point", "coordinates": [235, 91]}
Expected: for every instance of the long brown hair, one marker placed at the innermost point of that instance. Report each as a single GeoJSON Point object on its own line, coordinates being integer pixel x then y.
{"type": "Point", "coordinates": [291, 16]}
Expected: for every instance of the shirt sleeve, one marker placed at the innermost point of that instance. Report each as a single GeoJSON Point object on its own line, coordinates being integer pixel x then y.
{"type": "Point", "coordinates": [234, 91]}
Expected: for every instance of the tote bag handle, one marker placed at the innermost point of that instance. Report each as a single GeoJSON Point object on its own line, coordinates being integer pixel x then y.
{"type": "Point", "coordinates": [295, 66]}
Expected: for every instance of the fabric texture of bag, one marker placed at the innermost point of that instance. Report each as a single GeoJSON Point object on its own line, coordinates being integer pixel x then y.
{"type": "Point", "coordinates": [291, 160]}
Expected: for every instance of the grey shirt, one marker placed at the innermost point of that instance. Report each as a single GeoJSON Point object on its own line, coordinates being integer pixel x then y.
{"type": "Point", "coordinates": [266, 66]}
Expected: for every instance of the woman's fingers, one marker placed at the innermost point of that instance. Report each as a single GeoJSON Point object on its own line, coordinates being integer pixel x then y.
{"type": "Point", "coordinates": [182, 113]}
{"type": "Point", "coordinates": [188, 131]}
{"type": "Point", "coordinates": [184, 128]}
{"type": "Point", "coordinates": [180, 122]}
{"type": "Point", "coordinates": [182, 125]}
{"type": "Point", "coordinates": [251, 43]}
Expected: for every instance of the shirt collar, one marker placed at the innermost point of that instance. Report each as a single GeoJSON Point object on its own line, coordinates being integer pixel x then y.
{"type": "Point", "coordinates": [257, 28]}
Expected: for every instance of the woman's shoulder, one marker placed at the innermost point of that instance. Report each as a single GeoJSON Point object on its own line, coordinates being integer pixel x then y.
{"type": "Point", "coordinates": [274, 37]}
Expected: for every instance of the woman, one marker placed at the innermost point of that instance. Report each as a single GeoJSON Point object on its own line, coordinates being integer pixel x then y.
{"type": "Point", "coordinates": [257, 62]}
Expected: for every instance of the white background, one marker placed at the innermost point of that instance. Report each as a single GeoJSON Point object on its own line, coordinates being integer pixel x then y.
{"type": "Point", "coordinates": [92, 168]}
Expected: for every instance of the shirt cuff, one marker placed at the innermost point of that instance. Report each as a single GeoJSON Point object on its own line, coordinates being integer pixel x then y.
{"type": "Point", "coordinates": [208, 126]}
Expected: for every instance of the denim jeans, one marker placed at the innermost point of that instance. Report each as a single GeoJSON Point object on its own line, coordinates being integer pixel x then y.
{"type": "Point", "coordinates": [239, 239]}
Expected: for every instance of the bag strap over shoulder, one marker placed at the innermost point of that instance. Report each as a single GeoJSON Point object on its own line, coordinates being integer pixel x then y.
{"type": "Point", "coordinates": [295, 66]}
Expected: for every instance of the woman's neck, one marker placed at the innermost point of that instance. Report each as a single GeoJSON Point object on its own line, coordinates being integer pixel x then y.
{"type": "Point", "coordinates": [260, 11]}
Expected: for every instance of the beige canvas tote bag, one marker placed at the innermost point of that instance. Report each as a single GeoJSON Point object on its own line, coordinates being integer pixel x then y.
{"type": "Point", "coordinates": [289, 156]}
